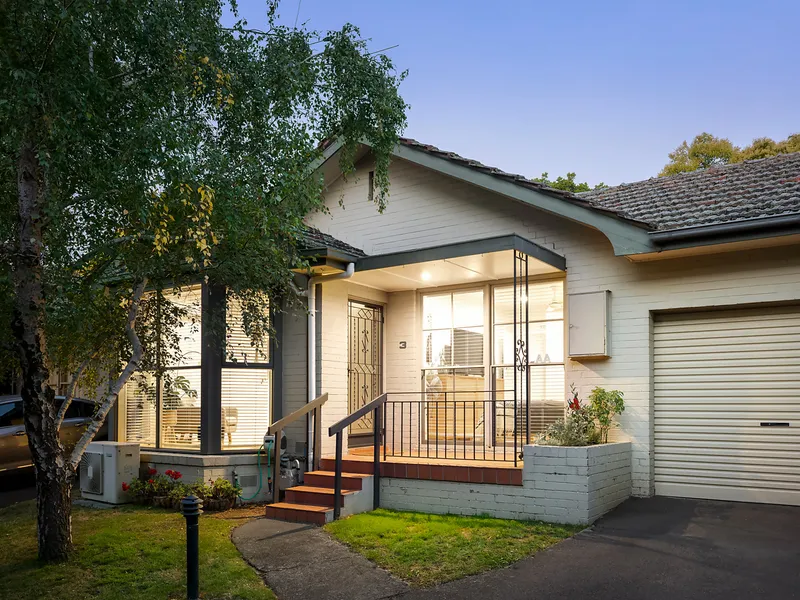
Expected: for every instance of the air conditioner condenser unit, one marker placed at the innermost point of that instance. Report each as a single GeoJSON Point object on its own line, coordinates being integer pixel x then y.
{"type": "Point", "coordinates": [105, 466]}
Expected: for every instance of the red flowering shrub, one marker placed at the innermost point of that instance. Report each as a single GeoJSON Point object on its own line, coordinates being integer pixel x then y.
{"type": "Point", "coordinates": [151, 471]}
{"type": "Point", "coordinates": [125, 487]}
{"type": "Point", "coordinates": [174, 475]}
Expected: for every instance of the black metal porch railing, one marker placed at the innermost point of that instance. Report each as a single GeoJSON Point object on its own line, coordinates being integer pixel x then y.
{"type": "Point", "coordinates": [485, 425]}
{"type": "Point", "coordinates": [375, 407]}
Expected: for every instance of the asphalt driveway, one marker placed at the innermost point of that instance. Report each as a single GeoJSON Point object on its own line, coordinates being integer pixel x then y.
{"type": "Point", "coordinates": [656, 549]}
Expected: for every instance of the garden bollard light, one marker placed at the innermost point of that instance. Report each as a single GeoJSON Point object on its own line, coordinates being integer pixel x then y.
{"type": "Point", "coordinates": [191, 507]}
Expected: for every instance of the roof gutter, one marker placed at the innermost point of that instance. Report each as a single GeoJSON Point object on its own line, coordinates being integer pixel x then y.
{"type": "Point", "coordinates": [769, 226]}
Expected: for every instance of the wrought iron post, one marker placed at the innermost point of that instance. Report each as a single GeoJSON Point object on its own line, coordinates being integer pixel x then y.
{"type": "Point", "coordinates": [521, 334]}
{"type": "Point", "coordinates": [376, 482]}
{"type": "Point", "coordinates": [337, 478]}
{"type": "Point", "coordinates": [191, 507]}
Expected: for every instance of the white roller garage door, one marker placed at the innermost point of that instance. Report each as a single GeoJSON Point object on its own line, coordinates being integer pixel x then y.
{"type": "Point", "coordinates": [727, 405]}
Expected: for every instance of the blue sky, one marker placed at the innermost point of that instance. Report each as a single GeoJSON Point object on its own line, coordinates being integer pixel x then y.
{"type": "Point", "coordinates": [605, 89]}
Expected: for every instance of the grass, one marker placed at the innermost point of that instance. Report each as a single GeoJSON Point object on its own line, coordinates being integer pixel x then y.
{"type": "Point", "coordinates": [425, 549]}
{"type": "Point", "coordinates": [130, 553]}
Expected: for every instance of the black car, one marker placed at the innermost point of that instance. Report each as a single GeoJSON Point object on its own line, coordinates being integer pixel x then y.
{"type": "Point", "coordinates": [14, 451]}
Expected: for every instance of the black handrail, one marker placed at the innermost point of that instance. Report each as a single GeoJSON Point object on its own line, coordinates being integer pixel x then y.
{"type": "Point", "coordinates": [337, 429]}
{"type": "Point", "coordinates": [278, 426]}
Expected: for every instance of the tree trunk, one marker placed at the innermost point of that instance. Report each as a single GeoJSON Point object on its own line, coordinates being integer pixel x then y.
{"type": "Point", "coordinates": [53, 475]}
{"type": "Point", "coordinates": [54, 513]}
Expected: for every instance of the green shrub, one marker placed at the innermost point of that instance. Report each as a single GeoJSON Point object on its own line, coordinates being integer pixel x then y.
{"type": "Point", "coordinates": [585, 425]}
{"type": "Point", "coordinates": [603, 406]}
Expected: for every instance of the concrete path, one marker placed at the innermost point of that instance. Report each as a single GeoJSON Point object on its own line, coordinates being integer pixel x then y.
{"type": "Point", "coordinates": [302, 562]}
{"type": "Point", "coordinates": [654, 549]}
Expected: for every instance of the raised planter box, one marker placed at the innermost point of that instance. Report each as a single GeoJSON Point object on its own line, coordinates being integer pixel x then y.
{"type": "Point", "coordinates": [559, 484]}
{"type": "Point", "coordinates": [586, 481]}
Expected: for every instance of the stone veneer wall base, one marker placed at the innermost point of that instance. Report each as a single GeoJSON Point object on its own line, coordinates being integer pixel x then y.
{"type": "Point", "coordinates": [195, 467]}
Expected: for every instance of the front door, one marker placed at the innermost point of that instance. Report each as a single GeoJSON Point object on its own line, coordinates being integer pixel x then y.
{"type": "Point", "coordinates": [364, 365]}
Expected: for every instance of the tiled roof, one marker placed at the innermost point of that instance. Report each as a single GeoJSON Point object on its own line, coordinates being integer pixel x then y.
{"type": "Point", "coordinates": [314, 239]}
{"type": "Point", "coordinates": [768, 187]}
{"type": "Point", "coordinates": [517, 179]}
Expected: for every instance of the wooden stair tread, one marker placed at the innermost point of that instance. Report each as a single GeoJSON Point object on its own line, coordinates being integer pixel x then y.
{"type": "Point", "coordinates": [318, 490]}
{"type": "Point", "coordinates": [301, 507]}
{"type": "Point", "coordinates": [344, 474]}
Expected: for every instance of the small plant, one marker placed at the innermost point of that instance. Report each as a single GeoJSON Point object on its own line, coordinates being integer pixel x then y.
{"type": "Point", "coordinates": [222, 489]}
{"type": "Point", "coordinates": [576, 429]}
{"type": "Point", "coordinates": [603, 405]}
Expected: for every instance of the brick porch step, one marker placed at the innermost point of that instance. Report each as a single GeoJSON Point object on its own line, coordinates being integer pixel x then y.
{"type": "Point", "coordinates": [318, 496]}
{"type": "Point", "coordinates": [325, 479]}
{"type": "Point", "coordinates": [349, 465]}
{"type": "Point", "coordinates": [299, 513]}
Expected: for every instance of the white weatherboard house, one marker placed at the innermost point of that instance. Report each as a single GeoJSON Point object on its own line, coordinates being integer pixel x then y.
{"type": "Point", "coordinates": [477, 298]}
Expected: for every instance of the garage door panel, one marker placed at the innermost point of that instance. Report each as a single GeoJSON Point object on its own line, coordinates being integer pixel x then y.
{"type": "Point", "coordinates": [736, 493]}
{"type": "Point", "coordinates": [750, 477]}
{"type": "Point", "coordinates": [680, 371]}
{"type": "Point", "coordinates": [717, 376]}
{"type": "Point", "coordinates": [725, 456]}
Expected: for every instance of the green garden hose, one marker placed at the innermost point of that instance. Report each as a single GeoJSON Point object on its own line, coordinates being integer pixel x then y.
{"type": "Point", "coordinates": [260, 476]}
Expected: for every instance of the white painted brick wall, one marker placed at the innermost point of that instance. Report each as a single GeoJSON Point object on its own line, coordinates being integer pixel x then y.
{"type": "Point", "coordinates": [561, 485]}
{"type": "Point", "coordinates": [427, 209]}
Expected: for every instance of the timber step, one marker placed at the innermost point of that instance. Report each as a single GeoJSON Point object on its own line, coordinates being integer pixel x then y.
{"type": "Point", "coordinates": [312, 502]}
{"type": "Point", "coordinates": [319, 496]}
{"type": "Point", "coordinates": [300, 513]}
{"type": "Point", "coordinates": [350, 481]}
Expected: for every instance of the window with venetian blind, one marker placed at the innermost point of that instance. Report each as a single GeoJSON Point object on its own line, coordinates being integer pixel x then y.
{"type": "Point", "coordinates": [246, 385]}
{"type": "Point", "coordinates": [163, 410]}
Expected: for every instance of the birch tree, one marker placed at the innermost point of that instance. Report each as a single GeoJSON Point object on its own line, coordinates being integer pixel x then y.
{"type": "Point", "coordinates": [145, 146]}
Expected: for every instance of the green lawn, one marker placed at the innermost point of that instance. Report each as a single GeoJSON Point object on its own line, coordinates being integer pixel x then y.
{"type": "Point", "coordinates": [428, 549]}
{"type": "Point", "coordinates": [128, 553]}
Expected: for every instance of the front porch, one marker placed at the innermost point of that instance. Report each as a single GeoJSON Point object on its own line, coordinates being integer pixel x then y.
{"type": "Point", "coordinates": [467, 339]}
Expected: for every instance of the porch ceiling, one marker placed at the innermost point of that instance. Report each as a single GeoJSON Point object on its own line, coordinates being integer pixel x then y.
{"type": "Point", "coordinates": [490, 259]}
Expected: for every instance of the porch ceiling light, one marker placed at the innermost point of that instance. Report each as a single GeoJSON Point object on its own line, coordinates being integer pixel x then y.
{"type": "Point", "coordinates": [425, 276]}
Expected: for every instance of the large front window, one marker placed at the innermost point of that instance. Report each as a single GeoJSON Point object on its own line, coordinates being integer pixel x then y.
{"type": "Point", "coordinates": [453, 363]}
{"type": "Point", "coordinates": [164, 408]}
{"type": "Point", "coordinates": [461, 404]}
{"type": "Point", "coordinates": [545, 353]}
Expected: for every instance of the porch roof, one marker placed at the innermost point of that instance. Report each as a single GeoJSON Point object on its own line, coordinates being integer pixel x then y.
{"type": "Point", "coordinates": [488, 259]}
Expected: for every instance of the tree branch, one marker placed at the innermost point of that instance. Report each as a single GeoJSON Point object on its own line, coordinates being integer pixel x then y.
{"type": "Point", "coordinates": [113, 390]}
{"type": "Point", "coordinates": [73, 385]}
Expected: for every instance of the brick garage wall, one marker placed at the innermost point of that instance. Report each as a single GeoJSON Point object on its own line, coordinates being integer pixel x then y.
{"type": "Point", "coordinates": [429, 209]}
{"type": "Point", "coordinates": [559, 485]}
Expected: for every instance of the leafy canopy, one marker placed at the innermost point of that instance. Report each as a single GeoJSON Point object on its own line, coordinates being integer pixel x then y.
{"type": "Point", "coordinates": [568, 183]}
{"type": "Point", "coordinates": [707, 150]}
{"type": "Point", "coordinates": [173, 149]}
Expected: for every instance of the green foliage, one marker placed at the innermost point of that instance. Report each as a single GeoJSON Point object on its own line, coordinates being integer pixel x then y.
{"type": "Point", "coordinates": [603, 405]}
{"type": "Point", "coordinates": [585, 425]}
{"type": "Point", "coordinates": [131, 552]}
{"type": "Point", "coordinates": [222, 489]}
{"type": "Point", "coordinates": [707, 150]}
{"type": "Point", "coordinates": [568, 183]}
{"type": "Point", "coordinates": [577, 428]}
{"type": "Point", "coordinates": [425, 549]}
{"type": "Point", "coordinates": [704, 151]}
{"type": "Point", "coordinates": [174, 149]}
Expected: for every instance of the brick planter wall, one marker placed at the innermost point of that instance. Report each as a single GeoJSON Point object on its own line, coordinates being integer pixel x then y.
{"type": "Point", "coordinates": [198, 467]}
{"type": "Point", "coordinates": [559, 485]}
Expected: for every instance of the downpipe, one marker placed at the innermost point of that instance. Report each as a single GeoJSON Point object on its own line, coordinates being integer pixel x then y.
{"type": "Point", "coordinates": [311, 295]}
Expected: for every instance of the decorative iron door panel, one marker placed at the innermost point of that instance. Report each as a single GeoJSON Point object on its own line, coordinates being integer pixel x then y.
{"type": "Point", "coordinates": [364, 360]}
